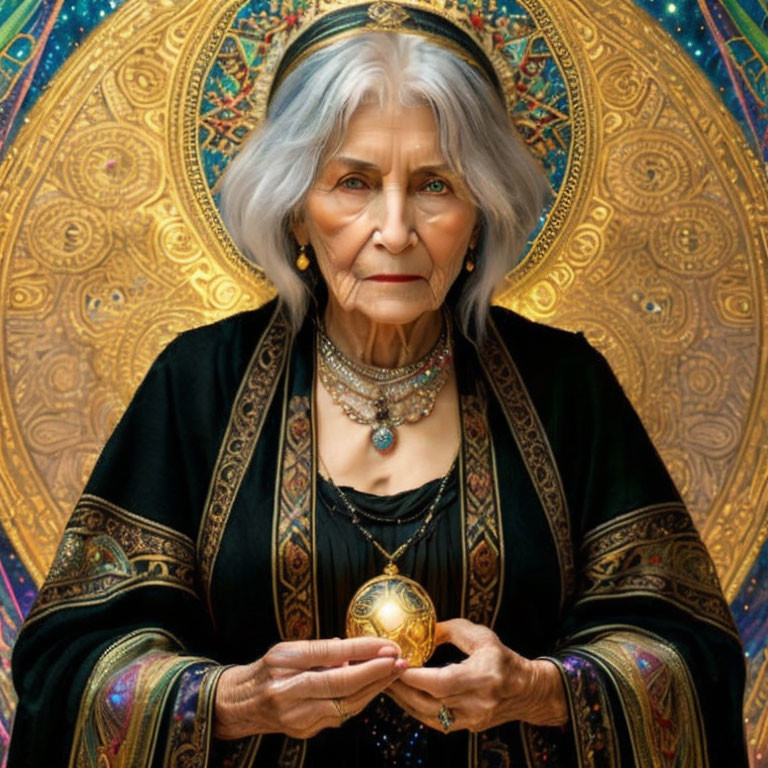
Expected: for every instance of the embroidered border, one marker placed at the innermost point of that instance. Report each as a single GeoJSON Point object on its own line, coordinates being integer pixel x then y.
{"type": "Point", "coordinates": [482, 516]}
{"type": "Point", "coordinates": [106, 550]}
{"type": "Point", "coordinates": [655, 551]}
{"type": "Point", "coordinates": [544, 747]}
{"type": "Point", "coordinates": [534, 447]}
{"type": "Point", "coordinates": [189, 733]}
{"type": "Point", "coordinates": [658, 697]}
{"type": "Point", "coordinates": [245, 423]}
{"type": "Point", "coordinates": [240, 753]}
{"type": "Point", "coordinates": [591, 715]}
{"type": "Point", "coordinates": [293, 545]}
{"type": "Point", "coordinates": [124, 700]}
{"type": "Point", "coordinates": [292, 753]}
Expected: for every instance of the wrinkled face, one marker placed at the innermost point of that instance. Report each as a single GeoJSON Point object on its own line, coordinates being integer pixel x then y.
{"type": "Point", "coordinates": [389, 222]}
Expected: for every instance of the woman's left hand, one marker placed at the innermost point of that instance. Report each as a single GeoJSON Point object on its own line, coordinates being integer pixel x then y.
{"type": "Point", "coordinates": [493, 685]}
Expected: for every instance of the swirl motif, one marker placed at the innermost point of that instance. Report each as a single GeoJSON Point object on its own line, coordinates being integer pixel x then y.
{"type": "Point", "coordinates": [109, 165]}
{"type": "Point", "coordinates": [693, 239]}
{"type": "Point", "coordinates": [646, 171]}
{"type": "Point", "coordinates": [623, 84]}
{"type": "Point", "coordinates": [143, 78]}
{"type": "Point", "coordinates": [67, 235]}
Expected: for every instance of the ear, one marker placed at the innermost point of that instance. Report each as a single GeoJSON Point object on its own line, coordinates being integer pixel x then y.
{"type": "Point", "coordinates": [475, 236]}
{"type": "Point", "coordinates": [299, 229]}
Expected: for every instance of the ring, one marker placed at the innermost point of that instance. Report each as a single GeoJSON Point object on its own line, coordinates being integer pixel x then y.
{"type": "Point", "coordinates": [446, 718]}
{"type": "Point", "coordinates": [343, 714]}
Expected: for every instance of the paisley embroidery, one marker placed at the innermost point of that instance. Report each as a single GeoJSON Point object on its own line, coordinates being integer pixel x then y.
{"type": "Point", "coordinates": [593, 726]}
{"type": "Point", "coordinates": [124, 701]}
{"type": "Point", "coordinates": [189, 732]}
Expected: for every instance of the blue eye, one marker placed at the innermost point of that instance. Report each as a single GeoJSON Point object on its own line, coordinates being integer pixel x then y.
{"type": "Point", "coordinates": [436, 186]}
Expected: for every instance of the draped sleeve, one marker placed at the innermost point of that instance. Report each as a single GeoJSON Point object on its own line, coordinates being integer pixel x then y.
{"type": "Point", "coordinates": [115, 664]}
{"type": "Point", "coordinates": [648, 651]}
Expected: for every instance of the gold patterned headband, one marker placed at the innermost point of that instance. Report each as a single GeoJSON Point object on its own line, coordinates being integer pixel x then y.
{"type": "Point", "coordinates": [439, 22]}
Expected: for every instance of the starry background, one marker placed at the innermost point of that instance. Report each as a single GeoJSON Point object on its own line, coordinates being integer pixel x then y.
{"type": "Point", "coordinates": [727, 39]}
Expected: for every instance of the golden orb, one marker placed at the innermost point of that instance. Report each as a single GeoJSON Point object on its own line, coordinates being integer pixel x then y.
{"type": "Point", "coordinates": [397, 608]}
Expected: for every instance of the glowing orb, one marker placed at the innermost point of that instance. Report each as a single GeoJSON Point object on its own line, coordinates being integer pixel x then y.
{"type": "Point", "coordinates": [397, 608]}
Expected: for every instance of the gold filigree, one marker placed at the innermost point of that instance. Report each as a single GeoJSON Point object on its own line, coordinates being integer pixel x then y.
{"type": "Point", "coordinates": [654, 552]}
{"type": "Point", "coordinates": [105, 550]}
{"type": "Point", "coordinates": [386, 15]}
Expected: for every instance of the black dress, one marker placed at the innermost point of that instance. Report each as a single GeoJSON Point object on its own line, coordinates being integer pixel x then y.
{"type": "Point", "coordinates": [204, 537]}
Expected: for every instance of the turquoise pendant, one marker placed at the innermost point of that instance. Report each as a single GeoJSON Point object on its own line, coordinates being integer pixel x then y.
{"type": "Point", "coordinates": [383, 438]}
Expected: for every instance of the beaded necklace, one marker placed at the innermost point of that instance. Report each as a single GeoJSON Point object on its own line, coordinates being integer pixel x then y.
{"type": "Point", "coordinates": [385, 398]}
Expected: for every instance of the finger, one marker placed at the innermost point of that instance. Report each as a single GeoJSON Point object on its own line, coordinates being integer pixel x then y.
{"type": "Point", "coordinates": [312, 715]}
{"type": "Point", "coordinates": [329, 652]}
{"type": "Point", "coordinates": [415, 702]}
{"type": "Point", "coordinates": [337, 682]}
{"type": "Point", "coordinates": [360, 700]}
{"type": "Point", "coordinates": [464, 634]}
{"type": "Point", "coordinates": [440, 682]}
{"type": "Point", "coordinates": [424, 710]}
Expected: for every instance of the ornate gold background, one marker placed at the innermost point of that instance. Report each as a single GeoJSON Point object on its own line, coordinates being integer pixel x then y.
{"type": "Point", "coordinates": [108, 251]}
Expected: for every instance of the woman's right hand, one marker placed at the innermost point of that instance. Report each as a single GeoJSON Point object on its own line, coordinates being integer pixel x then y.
{"type": "Point", "coordinates": [300, 687]}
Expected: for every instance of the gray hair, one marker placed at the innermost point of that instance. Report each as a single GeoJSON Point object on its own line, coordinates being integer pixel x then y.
{"type": "Point", "coordinates": [265, 186]}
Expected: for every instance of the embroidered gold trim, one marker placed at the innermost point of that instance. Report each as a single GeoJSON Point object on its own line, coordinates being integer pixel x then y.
{"type": "Point", "coordinates": [113, 730]}
{"type": "Point", "coordinates": [245, 423]}
{"type": "Point", "coordinates": [106, 550]}
{"type": "Point", "coordinates": [656, 552]}
{"type": "Point", "coordinates": [293, 753]}
{"type": "Point", "coordinates": [483, 541]}
{"type": "Point", "coordinates": [658, 697]}
{"type": "Point", "coordinates": [188, 743]}
{"type": "Point", "coordinates": [294, 536]}
{"type": "Point", "coordinates": [534, 447]}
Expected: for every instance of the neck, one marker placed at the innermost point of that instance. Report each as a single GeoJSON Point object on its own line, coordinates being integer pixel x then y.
{"type": "Point", "coordinates": [384, 345]}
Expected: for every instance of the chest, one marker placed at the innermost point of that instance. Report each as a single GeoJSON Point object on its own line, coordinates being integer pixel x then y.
{"type": "Point", "coordinates": [423, 450]}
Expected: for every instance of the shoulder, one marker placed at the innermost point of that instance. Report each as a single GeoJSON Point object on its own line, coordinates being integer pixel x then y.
{"type": "Point", "coordinates": [222, 345]}
{"type": "Point", "coordinates": [536, 347]}
{"type": "Point", "coordinates": [245, 327]}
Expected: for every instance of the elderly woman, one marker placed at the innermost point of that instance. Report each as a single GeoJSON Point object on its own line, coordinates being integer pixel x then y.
{"type": "Point", "coordinates": [378, 415]}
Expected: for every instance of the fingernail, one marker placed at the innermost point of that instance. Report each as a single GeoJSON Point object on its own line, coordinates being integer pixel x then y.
{"type": "Point", "coordinates": [388, 651]}
{"type": "Point", "coordinates": [402, 664]}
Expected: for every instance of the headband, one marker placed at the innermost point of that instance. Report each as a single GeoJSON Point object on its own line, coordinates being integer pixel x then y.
{"type": "Point", "coordinates": [385, 16]}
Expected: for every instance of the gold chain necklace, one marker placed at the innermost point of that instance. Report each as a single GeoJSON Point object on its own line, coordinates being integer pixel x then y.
{"type": "Point", "coordinates": [385, 398]}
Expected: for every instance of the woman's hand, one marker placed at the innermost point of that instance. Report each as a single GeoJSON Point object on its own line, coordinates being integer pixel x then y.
{"type": "Point", "coordinates": [298, 688]}
{"type": "Point", "coordinates": [493, 685]}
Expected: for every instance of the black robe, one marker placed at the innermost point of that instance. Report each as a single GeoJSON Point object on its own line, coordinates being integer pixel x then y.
{"type": "Point", "coordinates": [195, 545]}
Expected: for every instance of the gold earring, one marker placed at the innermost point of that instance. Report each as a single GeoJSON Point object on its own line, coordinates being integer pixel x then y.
{"type": "Point", "coordinates": [302, 260]}
{"type": "Point", "coordinates": [469, 264]}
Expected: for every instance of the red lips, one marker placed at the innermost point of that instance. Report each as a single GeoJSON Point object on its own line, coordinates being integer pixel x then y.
{"type": "Point", "coordinates": [395, 278]}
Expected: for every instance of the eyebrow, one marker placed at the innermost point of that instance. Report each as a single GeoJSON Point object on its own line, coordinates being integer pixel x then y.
{"type": "Point", "coordinates": [357, 163]}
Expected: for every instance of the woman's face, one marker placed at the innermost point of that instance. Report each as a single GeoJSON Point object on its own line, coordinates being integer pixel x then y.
{"type": "Point", "coordinates": [388, 221]}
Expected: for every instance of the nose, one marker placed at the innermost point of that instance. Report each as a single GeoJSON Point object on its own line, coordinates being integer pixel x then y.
{"type": "Point", "coordinates": [395, 230]}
